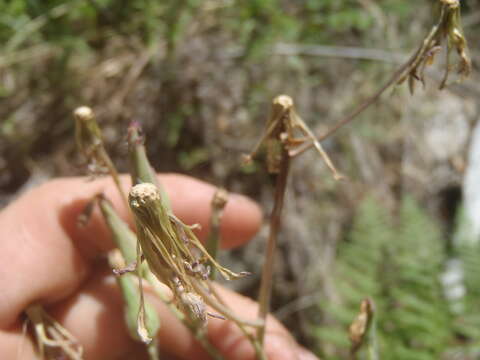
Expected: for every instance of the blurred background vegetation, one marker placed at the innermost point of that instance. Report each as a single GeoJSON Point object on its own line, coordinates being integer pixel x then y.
{"type": "Point", "coordinates": [199, 76]}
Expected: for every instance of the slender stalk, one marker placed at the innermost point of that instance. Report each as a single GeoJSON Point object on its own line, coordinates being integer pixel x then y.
{"type": "Point", "coordinates": [113, 173]}
{"type": "Point", "coordinates": [131, 296]}
{"type": "Point", "coordinates": [373, 342]}
{"type": "Point", "coordinates": [140, 168]}
{"type": "Point", "coordinates": [275, 223]}
{"type": "Point", "coordinates": [219, 201]}
{"type": "Point", "coordinates": [88, 137]}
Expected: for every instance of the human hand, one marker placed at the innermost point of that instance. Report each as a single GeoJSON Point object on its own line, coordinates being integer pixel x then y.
{"type": "Point", "coordinates": [46, 258]}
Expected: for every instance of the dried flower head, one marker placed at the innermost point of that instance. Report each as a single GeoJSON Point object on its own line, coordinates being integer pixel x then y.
{"type": "Point", "coordinates": [87, 133]}
{"type": "Point", "coordinates": [286, 134]}
{"type": "Point", "coordinates": [173, 252]}
{"type": "Point", "coordinates": [163, 235]}
{"type": "Point", "coordinates": [88, 138]}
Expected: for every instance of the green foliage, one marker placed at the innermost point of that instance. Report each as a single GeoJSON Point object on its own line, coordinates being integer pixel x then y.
{"type": "Point", "coordinates": [396, 261]}
{"type": "Point", "coordinates": [254, 23]}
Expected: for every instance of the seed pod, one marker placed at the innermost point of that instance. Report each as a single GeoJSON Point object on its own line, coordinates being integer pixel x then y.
{"type": "Point", "coordinates": [87, 133]}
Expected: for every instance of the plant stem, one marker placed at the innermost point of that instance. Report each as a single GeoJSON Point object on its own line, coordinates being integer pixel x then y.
{"type": "Point", "coordinates": [218, 203]}
{"type": "Point", "coordinates": [140, 168]}
{"type": "Point", "coordinates": [103, 154]}
{"type": "Point", "coordinates": [275, 222]}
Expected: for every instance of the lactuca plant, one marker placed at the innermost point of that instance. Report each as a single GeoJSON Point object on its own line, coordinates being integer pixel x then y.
{"type": "Point", "coordinates": [285, 136]}
{"type": "Point", "coordinates": [178, 259]}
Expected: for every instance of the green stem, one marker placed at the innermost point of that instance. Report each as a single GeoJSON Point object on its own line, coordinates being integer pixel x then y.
{"type": "Point", "coordinates": [219, 201]}
{"type": "Point", "coordinates": [140, 168]}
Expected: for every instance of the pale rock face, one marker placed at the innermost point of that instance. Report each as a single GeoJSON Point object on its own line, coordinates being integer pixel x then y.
{"type": "Point", "coordinates": [471, 188]}
{"type": "Point", "coordinates": [435, 132]}
{"type": "Point", "coordinates": [446, 132]}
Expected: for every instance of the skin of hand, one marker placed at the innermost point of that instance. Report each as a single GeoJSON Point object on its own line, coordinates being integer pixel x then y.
{"type": "Point", "coordinates": [46, 258]}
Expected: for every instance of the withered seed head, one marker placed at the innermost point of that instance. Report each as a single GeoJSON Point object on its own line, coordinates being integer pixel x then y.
{"type": "Point", "coordinates": [220, 198]}
{"type": "Point", "coordinates": [451, 3]}
{"type": "Point", "coordinates": [360, 326]}
{"type": "Point", "coordinates": [284, 101]}
{"type": "Point", "coordinates": [83, 113]}
{"type": "Point", "coordinates": [144, 194]}
{"type": "Point", "coordinates": [145, 201]}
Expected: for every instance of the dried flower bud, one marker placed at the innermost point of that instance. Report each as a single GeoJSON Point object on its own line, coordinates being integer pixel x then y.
{"type": "Point", "coordinates": [87, 133]}
{"type": "Point", "coordinates": [145, 202]}
{"type": "Point", "coordinates": [83, 113]}
{"type": "Point", "coordinates": [451, 3]}
{"type": "Point", "coordinates": [359, 327]}
{"type": "Point", "coordinates": [456, 39]}
{"type": "Point", "coordinates": [220, 198]}
{"type": "Point", "coordinates": [135, 134]}
{"type": "Point", "coordinates": [285, 102]}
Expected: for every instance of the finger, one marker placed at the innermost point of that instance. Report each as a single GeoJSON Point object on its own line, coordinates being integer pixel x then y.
{"type": "Point", "coordinates": [95, 318]}
{"type": "Point", "coordinates": [279, 344]}
{"type": "Point", "coordinates": [190, 200]}
{"type": "Point", "coordinates": [44, 255]}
